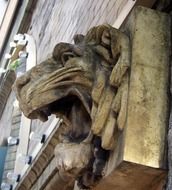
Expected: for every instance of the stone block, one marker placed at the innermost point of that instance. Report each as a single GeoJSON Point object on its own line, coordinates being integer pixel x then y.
{"type": "Point", "coordinates": [148, 104]}
{"type": "Point", "coordinates": [139, 160]}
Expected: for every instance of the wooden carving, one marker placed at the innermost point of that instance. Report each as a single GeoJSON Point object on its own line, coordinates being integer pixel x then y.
{"type": "Point", "coordinates": [85, 84]}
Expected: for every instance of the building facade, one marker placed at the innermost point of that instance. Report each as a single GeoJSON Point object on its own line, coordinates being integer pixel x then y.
{"type": "Point", "coordinates": [30, 164]}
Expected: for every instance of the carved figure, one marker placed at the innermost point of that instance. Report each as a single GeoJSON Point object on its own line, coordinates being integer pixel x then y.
{"type": "Point", "coordinates": [85, 84]}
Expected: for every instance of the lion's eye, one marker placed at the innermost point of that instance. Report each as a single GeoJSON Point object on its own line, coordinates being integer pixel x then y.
{"type": "Point", "coordinates": [66, 56]}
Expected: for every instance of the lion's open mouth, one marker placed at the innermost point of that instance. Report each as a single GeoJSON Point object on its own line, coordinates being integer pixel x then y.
{"type": "Point", "coordinates": [63, 104]}
{"type": "Point", "coordinates": [65, 92]}
{"type": "Point", "coordinates": [54, 92]}
{"type": "Point", "coordinates": [75, 105]}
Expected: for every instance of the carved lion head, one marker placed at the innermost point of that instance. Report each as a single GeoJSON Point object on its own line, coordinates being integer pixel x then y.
{"type": "Point", "coordinates": [84, 83]}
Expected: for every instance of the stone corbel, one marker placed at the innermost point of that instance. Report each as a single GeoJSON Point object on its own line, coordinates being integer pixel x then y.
{"type": "Point", "coordinates": [110, 88]}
